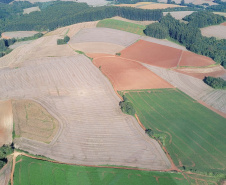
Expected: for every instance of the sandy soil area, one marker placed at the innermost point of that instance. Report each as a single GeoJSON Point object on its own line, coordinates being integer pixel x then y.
{"type": "Point", "coordinates": [32, 9]}
{"type": "Point", "coordinates": [18, 44]}
{"type": "Point", "coordinates": [127, 75]}
{"type": "Point", "coordinates": [218, 31]}
{"type": "Point", "coordinates": [163, 56]}
{"type": "Point", "coordinates": [6, 122]}
{"type": "Point", "coordinates": [33, 121]}
{"type": "Point", "coordinates": [18, 34]}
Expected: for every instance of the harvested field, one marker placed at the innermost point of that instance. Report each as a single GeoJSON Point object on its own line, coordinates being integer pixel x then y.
{"type": "Point", "coordinates": [33, 121]}
{"type": "Point", "coordinates": [218, 31]}
{"type": "Point", "coordinates": [5, 173]}
{"type": "Point", "coordinates": [105, 35]}
{"type": "Point", "coordinates": [163, 56]}
{"type": "Point", "coordinates": [224, 23]}
{"type": "Point", "coordinates": [6, 122]}
{"type": "Point", "coordinates": [97, 47]}
{"type": "Point", "coordinates": [18, 34]}
{"type": "Point", "coordinates": [195, 2]}
{"type": "Point", "coordinates": [201, 73]}
{"type": "Point", "coordinates": [179, 15]}
{"type": "Point", "coordinates": [93, 130]}
{"type": "Point", "coordinates": [220, 13]}
{"type": "Point", "coordinates": [193, 87]}
{"type": "Point", "coordinates": [196, 143]}
{"type": "Point", "coordinates": [33, 171]}
{"type": "Point", "coordinates": [72, 29]}
{"type": "Point", "coordinates": [122, 25]}
{"type": "Point", "coordinates": [32, 9]}
{"type": "Point", "coordinates": [144, 23]}
{"type": "Point", "coordinates": [126, 75]}
{"type": "Point", "coordinates": [18, 44]}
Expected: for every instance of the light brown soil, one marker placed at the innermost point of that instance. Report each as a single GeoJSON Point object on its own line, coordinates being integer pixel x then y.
{"type": "Point", "coordinates": [18, 34]}
{"type": "Point", "coordinates": [163, 56]}
{"type": "Point", "coordinates": [132, 21]}
{"type": "Point", "coordinates": [218, 31]}
{"type": "Point", "coordinates": [6, 122]}
{"type": "Point", "coordinates": [127, 75]}
{"type": "Point", "coordinates": [149, 6]}
{"type": "Point", "coordinates": [33, 121]}
{"type": "Point", "coordinates": [201, 73]}
{"type": "Point", "coordinates": [224, 23]}
{"type": "Point", "coordinates": [32, 9]}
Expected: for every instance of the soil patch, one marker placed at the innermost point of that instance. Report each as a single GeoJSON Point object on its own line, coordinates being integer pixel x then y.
{"type": "Point", "coordinates": [6, 122]}
{"type": "Point", "coordinates": [33, 121]}
{"type": "Point", "coordinates": [218, 31]}
{"type": "Point", "coordinates": [127, 75]}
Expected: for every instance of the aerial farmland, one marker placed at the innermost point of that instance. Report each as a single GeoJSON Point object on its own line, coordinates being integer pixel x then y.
{"type": "Point", "coordinates": [96, 100]}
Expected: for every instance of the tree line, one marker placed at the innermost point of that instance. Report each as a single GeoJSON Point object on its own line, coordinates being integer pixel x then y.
{"type": "Point", "coordinates": [190, 36]}
{"type": "Point", "coordinates": [216, 83]}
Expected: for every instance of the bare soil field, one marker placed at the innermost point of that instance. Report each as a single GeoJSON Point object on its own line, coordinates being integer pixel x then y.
{"type": "Point", "coordinates": [201, 73]}
{"type": "Point", "coordinates": [220, 13]}
{"type": "Point", "coordinates": [106, 35]}
{"type": "Point", "coordinates": [218, 31]}
{"type": "Point", "coordinates": [93, 130]}
{"type": "Point", "coordinates": [195, 2]}
{"type": "Point", "coordinates": [32, 9]}
{"type": "Point", "coordinates": [127, 75]}
{"type": "Point", "coordinates": [18, 44]}
{"type": "Point", "coordinates": [6, 122]}
{"type": "Point", "coordinates": [224, 23]}
{"type": "Point", "coordinates": [179, 15]}
{"type": "Point", "coordinates": [163, 56]}
{"type": "Point", "coordinates": [18, 34]}
{"type": "Point", "coordinates": [132, 21]}
{"type": "Point", "coordinates": [5, 173]}
{"type": "Point", "coordinates": [193, 87]}
{"type": "Point", "coordinates": [33, 121]}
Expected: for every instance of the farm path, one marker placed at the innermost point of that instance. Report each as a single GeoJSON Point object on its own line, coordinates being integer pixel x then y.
{"type": "Point", "coordinates": [93, 130]}
{"type": "Point", "coordinates": [193, 87]}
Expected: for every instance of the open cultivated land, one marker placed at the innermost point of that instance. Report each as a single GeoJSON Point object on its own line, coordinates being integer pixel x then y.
{"type": "Point", "coordinates": [195, 2]}
{"type": "Point", "coordinates": [5, 173]}
{"type": "Point", "coordinates": [18, 34]}
{"type": "Point", "coordinates": [122, 25]}
{"type": "Point", "coordinates": [32, 9]}
{"type": "Point", "coordinates": [193, 87]}
{"type": "Point", "coordinates": [179, 15]}
{"type": "Point", "coordinates": [163, 56]}
{"type": "Point", "coordinates": [6, 122]}
{"type": "Point", "coordinates": [93, 130]}
{"type": "Point", "coordinates": [33, 121]}
{"type": "Point", "coordinates": [144, 23]}
{"type": "Point", "coordinates": [193, 135]}
{"type": "Point", "coordinates": [125, 74]}
{"type": "Point", "coordinates": [32, 171]}
{"type": "Point", "coordinates": [218, 31]}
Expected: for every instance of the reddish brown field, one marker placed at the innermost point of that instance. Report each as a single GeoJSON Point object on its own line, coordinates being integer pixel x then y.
{"type": "Point", "coordinates": [127, 75]}
{"type": "Point", "coordinates": [163, 56]}
{"type": "Point", "coordinates": [224, 23]}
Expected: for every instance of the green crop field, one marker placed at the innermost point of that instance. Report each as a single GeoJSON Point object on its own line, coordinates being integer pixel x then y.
{"type": "Point", "coordinates": [122, 25]}
{"type": "Point", "coordinates": [193, 135]}
{"type": "Point", "coordinates": [30, 171]}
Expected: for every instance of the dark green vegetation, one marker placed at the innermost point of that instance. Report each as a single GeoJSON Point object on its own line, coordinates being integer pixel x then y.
{"type": "Point", "coordinates": [157, 30]}
{"type": "Point", "coordinates": [203, 18]}
{"type": "Point", "coordinates": [126, 106]}
{"type": "Point", "coordinates": [194, 135]}
{"type": "Point", "coordinates": [5, 150]}
{"type": "Point", "coordinates": [32, 171]}
{"type": "Point", "coordinates": [131, 1]}
{"type": "Point", "coordinates": [58, 14]}
{"type": "Point", "coordinates": [63, 41]}
{"type": "Point", "coordinates": [4, 46]}
{"type": "Point", "coordinates": [216, 83]}
{"type": "Point", "coordinates": [36, 36]}
{"type": "Point", "coordinates": [190, 36]}
{"type": "Point", "coordinates": [122, 25]}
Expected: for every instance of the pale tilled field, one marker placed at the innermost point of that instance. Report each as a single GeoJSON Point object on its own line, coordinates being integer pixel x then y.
{"type": "Point", "coordinates": [179, 15]}
{"type": "Point", "coordinates": [32, 9]}
{"type": "Point", "coordinates": [18, 34]}
{"type": "Point", "coordinates": [93, 130]}
{"type": "Point", "coordinates": [196, 2]}
{"type": "Point", "coordinates": [193, 87]}
{"type": "Point", "coordinates": [218, 31]}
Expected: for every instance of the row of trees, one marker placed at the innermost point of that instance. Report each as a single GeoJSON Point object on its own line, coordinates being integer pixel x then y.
{"type": "Point", "coordinates": [126, 106]}
{"type": "Point", "coordinates": [190, 36]}
{"type": "Point", "coordinates": [63, 41]}
{"type": "Point", "coordinates": [216, 83]}
{"type": "Point", "coordinates": [5, 150]}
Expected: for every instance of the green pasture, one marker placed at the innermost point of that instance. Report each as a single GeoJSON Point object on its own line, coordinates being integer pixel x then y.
{"type": "Point", "coordinates": [122, 25]}
{"type": "Point", "coordinates": [193, 135]}
{"type": "Point", "coordinates": [30, 171]}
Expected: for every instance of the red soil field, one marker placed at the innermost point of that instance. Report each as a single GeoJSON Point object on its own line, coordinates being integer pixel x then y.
{"type": "Point", "coordinates": [224, 23]}
{"type": "Point", "coordinates": [127, 75]}
{"type": "Point", "coordinates": [163, 56]}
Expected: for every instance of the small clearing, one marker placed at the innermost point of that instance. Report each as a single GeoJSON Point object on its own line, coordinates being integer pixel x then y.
{"type": "Point", "coordinates": [32, 9]}
{"type": "Point", "coordinates": [179, 15]}
{"type": "Point", "coordinates": [218, 31]}
{"type": "Point", "coordinates": [195, 2]}
{"type": "Point", "coordinates": [33, 121]}
{"type": "Point", "coordinates": [133, 21]}
{"type": "Point", "coordinates": [6, 122]}
{"type": "Point", "coordinates": [18, 34]}
{"type": "Point", "coordinates": [125, 74]}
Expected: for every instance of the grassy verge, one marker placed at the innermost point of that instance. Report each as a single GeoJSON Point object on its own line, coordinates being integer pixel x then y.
{"type": "Point", "coordinates": [122, 25]}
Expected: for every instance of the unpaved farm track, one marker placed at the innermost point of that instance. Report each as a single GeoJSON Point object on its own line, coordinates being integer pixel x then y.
{"type": "Point", "coordinates": [193, 87]}
{"type": "Point", "coordinates": [93, 130]}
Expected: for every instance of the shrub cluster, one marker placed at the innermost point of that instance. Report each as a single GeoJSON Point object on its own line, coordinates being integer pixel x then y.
{"type": "Point", "coordinates": [216, 83]}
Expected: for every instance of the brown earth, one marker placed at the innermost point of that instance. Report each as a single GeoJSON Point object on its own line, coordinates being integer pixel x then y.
{"type": "Point", "coordinates": [127, 75]}
{"type": "Point", "coordinates": [33, 121]}
{"type": "Point", "coordinates": [163, 56]}
{"type": "Point", "coordinates": [6, 122]}
{"type": "Point", "coordinates": [224, 23]}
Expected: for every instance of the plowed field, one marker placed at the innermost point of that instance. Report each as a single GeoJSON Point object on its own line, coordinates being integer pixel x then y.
{"type": "Point", "coordinates": [163, 56]}
{"type": "Point", "coordinates": [126, 74]}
